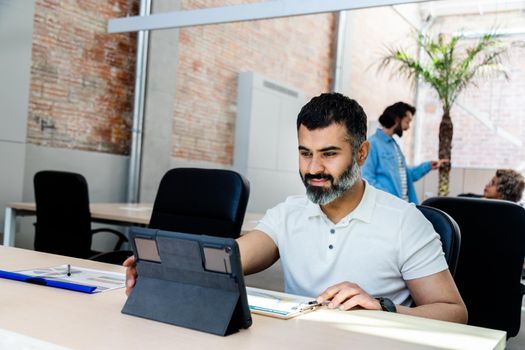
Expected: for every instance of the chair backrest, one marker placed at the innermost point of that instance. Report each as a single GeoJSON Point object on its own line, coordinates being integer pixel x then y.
{"type": "Point", "coordinates": [201, 201]}
{"type": "Point", "coordinates": [490, 261]}
{"type": "Point", "coordinates": [471, 195]}
{"type": "Point", "coordinates": [63, 220]}
{"type": "Point", "coordinates": [448, 231]}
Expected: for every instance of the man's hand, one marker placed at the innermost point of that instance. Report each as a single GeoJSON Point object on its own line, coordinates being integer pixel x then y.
{"type": "Point", "coordinates": [131, 274]}
{"type": "Point", "coordinates": [347, 295]}
{"type": "Point", "coordinates": [436, 164]}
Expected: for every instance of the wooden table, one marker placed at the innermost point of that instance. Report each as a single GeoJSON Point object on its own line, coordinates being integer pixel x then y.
{"type": "Point", "coordinates": [85, 321]}
{"type": "Point", "coordinates": [108, 213]}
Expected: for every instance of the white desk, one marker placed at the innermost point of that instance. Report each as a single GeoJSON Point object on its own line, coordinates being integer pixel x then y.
{"type": "Point", "coordinates": [84, 321]}
{"type": "Point", "coordinates": [108, 213]}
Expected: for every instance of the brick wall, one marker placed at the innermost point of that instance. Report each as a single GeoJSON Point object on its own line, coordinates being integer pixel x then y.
{"type": "Point", "coordinates": [81, 93]}
{"type": "Point", "coordinates": [497, 140]}
{"type": "Point", "coordinates": [296, 51]}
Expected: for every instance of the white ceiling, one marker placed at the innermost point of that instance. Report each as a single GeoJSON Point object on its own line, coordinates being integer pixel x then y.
{"type": "Point", "coordinates": [463, 7]}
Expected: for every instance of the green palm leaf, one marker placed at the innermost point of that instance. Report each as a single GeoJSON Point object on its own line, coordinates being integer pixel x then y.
{"type": "Point", "coordinates": [449, 65]}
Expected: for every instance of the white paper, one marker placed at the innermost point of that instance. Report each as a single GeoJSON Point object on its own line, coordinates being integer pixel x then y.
{"type": "Point", "coordinates": [277, 304]}
{"type": "Point", "coordinates": [103, 280]}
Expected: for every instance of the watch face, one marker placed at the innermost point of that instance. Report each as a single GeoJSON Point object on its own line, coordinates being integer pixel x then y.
{"type": "Point", "coordinates": [387, 305]}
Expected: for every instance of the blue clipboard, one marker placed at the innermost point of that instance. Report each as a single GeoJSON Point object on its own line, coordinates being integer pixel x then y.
{"type": "Point", "coordinates": [47, 282]}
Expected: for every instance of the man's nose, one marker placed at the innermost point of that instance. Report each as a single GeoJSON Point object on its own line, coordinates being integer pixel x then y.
{"type": "Point", "coordinates": [315, 166]}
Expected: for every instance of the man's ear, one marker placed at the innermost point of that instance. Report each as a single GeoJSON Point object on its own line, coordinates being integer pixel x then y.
{"type": "Point", "coordinates": [362, 153]}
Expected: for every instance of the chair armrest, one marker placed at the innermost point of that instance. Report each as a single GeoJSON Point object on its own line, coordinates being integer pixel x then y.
{"type": "Point", "coordinates": [121, 237]}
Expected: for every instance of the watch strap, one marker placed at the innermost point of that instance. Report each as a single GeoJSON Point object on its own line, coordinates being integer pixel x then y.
{"type": "Point", "coordinates": [387, 304]}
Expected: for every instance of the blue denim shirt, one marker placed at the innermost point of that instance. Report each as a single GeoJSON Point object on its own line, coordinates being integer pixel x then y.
{"type": "Point", "coordinates": [381, 169]}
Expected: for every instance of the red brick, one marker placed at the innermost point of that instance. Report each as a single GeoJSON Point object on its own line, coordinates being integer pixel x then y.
{"type": "Point", "coordinates": [72, 71]}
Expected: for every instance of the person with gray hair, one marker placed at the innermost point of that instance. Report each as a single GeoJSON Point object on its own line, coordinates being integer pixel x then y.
{"type": "Point", "coordinates": [507, 184]}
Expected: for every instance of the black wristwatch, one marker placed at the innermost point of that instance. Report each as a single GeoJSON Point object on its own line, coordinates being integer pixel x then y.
{"type": "Point", "coordinates": [387, 305]}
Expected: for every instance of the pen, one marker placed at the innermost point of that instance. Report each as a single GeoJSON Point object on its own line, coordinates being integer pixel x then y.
{"type": "Point", "coordinates": [68, 270]}
{"type": "Point", "coordinates": [315, 303]}
{"type": "Point", "coordinates": [47, 282]}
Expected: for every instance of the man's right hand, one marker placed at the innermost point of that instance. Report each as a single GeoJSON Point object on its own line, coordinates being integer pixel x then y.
{"type": "Point", "coordinates": [436, 164]}
{"type": "Point", "coordinates": [131, 274]}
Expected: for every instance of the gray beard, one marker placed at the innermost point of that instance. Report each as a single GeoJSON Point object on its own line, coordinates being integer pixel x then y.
{"type": "Point", "coordinates": [322, 196]}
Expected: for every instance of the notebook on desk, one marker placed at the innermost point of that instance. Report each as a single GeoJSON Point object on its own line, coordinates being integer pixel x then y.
{"type": "Point", "coordinates": [193, 281]}
{"type": "Point", "coordinates": [280, 305]}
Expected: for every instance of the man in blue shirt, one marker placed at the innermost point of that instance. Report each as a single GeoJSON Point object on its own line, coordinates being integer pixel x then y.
{"type": "Point", "coordinates": [386, 168]}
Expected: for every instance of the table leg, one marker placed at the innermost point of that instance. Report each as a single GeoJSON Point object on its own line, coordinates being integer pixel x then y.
{"type": "Point", "coordinates": [9, 227]}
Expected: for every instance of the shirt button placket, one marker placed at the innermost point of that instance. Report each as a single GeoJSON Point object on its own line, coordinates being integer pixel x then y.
{"type": "Point", "coordinates": [331, 239]}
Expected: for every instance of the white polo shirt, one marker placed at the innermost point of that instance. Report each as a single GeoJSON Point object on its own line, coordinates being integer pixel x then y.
{"type": "Point", "coordinates": [379, 245]}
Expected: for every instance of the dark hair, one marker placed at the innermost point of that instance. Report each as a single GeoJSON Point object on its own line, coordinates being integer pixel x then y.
{"type": "Point", "coordinates": [329, 108]}
{"type": "Point", "coordinates": [397, 110]}
{"type": "Point", "coordinates": [510, 184]}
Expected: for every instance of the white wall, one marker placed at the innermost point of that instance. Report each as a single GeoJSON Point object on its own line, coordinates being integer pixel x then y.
{"type": "Point", "coordinates": [16, 30]}
{"type": "Point", "coordinates": [266, 139]}
{"type": "Point", "coordinates": [159, 106]}
{"type": "Point", "coordinates": [462, 180]}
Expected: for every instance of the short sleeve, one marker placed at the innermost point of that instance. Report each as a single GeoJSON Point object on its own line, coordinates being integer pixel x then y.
{"type": "Point", "coordinates": [420, 250]}
{"type": "Point", "coordinates": [271, 222]}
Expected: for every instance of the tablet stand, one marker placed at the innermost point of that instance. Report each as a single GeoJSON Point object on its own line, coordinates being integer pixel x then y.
{"type": "Point", "coordinates": [180, 291]}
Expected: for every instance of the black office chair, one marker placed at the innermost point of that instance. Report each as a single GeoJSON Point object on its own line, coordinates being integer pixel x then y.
{"type": "Point", "coordinates": [471, 195]}
{"type": "Point", "coordinates": [489, 267]}
{"type": "Point", "coordinates": [448, 231]}
{"type": "Point", "coordinates": [63, 219]}
{"type": "Point", "coordinates": [201, 201]}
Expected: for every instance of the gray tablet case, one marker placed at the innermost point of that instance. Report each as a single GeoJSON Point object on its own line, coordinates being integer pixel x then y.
{"type": "Point", "coordinates": [188, 280]}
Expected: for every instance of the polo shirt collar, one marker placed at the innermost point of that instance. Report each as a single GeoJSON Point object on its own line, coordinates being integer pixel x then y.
{"type": "Point", "coordinates": [313, 209]}
{"type": "Point", "coordinates": [362, 212]}
{"type": "Point", "coordinates": [365, 208]}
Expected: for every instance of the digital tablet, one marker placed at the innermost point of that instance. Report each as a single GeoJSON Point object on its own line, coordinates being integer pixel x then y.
{"type": "Point", "coordinates": [193, 281]}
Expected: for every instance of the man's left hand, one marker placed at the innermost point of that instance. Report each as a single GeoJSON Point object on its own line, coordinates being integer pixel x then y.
{"type": "Point", "coordinates": [347, 295]}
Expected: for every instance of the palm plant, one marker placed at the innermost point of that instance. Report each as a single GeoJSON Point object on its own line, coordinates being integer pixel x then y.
{"type": "Point", "coordinates": [450, 66]}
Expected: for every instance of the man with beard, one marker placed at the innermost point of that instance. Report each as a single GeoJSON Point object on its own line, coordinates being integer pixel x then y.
{"type": "Point", "coordinates": [385, 167]}
{"type": "Point", "coordinates": [345, 242]}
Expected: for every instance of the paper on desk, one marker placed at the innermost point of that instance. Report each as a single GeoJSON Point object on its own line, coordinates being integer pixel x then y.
{"type": "Point", "coordinates": [276, 304]}
{"type": "Point", "coordinates": [103, 280]}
